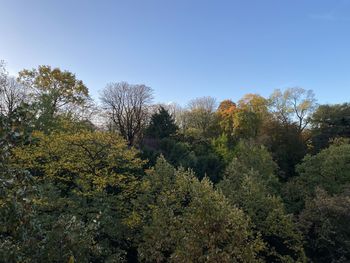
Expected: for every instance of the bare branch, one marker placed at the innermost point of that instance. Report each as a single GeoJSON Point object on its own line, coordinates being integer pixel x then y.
{"type": "Point", "coordinates": [127, 106]}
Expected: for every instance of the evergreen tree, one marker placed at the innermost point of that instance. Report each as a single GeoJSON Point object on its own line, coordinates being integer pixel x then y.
{"type": "Point", "coordinates": [162, 124]}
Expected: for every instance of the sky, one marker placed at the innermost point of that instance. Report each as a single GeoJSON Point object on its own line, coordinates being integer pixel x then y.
{"type": "Point", "coordinates": [185, 49]}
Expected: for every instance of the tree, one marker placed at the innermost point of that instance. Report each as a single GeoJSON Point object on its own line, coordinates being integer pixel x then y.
{"type": "Point", "coordinates": [247, 124]}
{"type": "Point", "coordinates": [12, 93]}
{"type": "Point", "coordinates": [294, 105]}
{"type": "Point", "coordinates": [251, 116]}
{"type": "Point", "coordinates": [325, 223]}
{"type": "Point", "coordinates": [208, 162]}
{"type": "Point", "coordinates": [200, 118]}
{"type": "Point", "coordinates": [257, 157]}
{"type": "Point", "coordinates": [329, 122]}
{"type": "Point", "coordinates": [29, 232]}
{"type": "Point", "coordinates": [226, 112]}
{"type": "Point", "coordinates": [190, 222]}
{"type": "Point", "coordinates": [287, 145]}
{"type": "Point", "coordinates": [207, 104]}
{"type": "Point", "coordinates": [282, 238]}
{"type": "Point", "coordinates": [89, 161]}
{"type": "Point", "coordinates": [15, 129]}
{"type": "Point", "coordinates": [251, 156]}
{"type": "Point", "coordinates": [162, 124]}
{"type": "Point", "coordinates": [329, 170]}
{"type": "Point", "coordinates": [244, 120]}
{"type": "Point", "coordinates": [54, 89]}
{"type": "Point", "coordinates": [88, 182]}
{"type": "Point", "coordinates": [18, 229]}
{"type": "Point", "coordinates": [199, 156]}
{"type": "Point", "coordinates": [250, 183]}
{"type": "Point", "coordinates": [254, 103]}
{"type": "Point", "coordinates": [224, 147]}
{"type": "Point", "coordinates": [126, 105]}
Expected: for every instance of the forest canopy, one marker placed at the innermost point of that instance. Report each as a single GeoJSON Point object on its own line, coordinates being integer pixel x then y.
{"type": "Point", "coordinates": [124, 179]}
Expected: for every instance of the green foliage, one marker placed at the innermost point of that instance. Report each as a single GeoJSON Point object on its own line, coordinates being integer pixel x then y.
{"type": "Point", "coordinates": [328, 169]}
{"type": "Point", "coordinates": [250, 116]}
{"type": "Point", "coordinates": [91, 161]}
{"type": "Point", "coordinates": [55, 87]}
{"type": "Point", "coordinates": [199, 156]}
{"type": "Point", "coordinates": [278, 231]}
{"type": "Point", "coordinates": [286, 144]}
{"type": "Point", "coordinates": [190, 222]}
{"type": "Point", "coordinates": [251, 156]}
{"type": "Point", "coordinates": [53, 91]}
{"type": "Point", "coordinates": [15, 129]}
{"type": "Point", "coordinates": [254, 103]}
{"type": "Point", "coordinates": [18, 229]}
{"type": "Point", "coordinates": [250, 183]}
{"type": "Point", "coordinates": [208, 162]}
{"type": "Point", "coordinates": [178, 153]}
{"type": "Point", "coordinates": [87, 181]}
{"type": "Point", "coordinates": [329, 122]}
{"type": "Point", "coordinates": [224, 147]}
{"type": "Point", "coordinates": [162, 125]}
{"type": "Point", "coordinates": [325, 222]}
{"type": "Point", "coordinates": [70, 192]}
{"type": "Point", "coordinates": [247, 124]}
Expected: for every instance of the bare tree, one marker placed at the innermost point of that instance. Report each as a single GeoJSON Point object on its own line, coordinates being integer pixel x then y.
{"type": "Point", "coordinates": [207, 104]}
{"type": "Point", "coordinates": [200, 115]}
{"type": "Point", "coordinates": [294, 105]}
{"type": "Point", "coordinates": [12, 93]}
{"type": "Point", "coordinates": [127, 107]}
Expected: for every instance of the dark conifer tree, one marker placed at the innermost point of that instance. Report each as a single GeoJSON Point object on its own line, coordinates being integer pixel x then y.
{"type": "Point", "coordinates": [162, 124]}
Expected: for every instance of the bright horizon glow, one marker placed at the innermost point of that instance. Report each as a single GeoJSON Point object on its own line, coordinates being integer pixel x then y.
{"type": "Point", "coordinates": [185, 49]}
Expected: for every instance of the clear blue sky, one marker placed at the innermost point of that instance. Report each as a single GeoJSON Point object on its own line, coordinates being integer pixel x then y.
{"type": "Point", "coordinates": [186, 48]}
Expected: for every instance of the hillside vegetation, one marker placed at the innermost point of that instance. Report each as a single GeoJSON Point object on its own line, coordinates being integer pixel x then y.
{"type": "Point", "coordinates": [124, 179]}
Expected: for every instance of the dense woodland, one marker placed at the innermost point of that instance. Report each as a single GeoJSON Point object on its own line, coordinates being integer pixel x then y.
{"type": "Point", "coordinates": [124, 179]}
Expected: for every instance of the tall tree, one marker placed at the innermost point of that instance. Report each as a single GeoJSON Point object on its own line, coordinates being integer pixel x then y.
{"type": "Point", "coordinates": [226, 112]}
{"type": "Point", "coordinates": [16, 119]}
{"type": "Point", "coordinates": [329, 122]}
{"type": "Point", "coordinates": [254, 103]}
{"type": "Point", "coordinates": [294, 105]}
{"type": "Point", "coordinates": [287, 145]}
{"type": "Point", "coordinates": [247, 124]}
{"type": "Point", "coordinates": [126, 105]}
{"type": "Point", "coordinates": [55, 89]}
{"type": "Point", "coordinates": [12, 93]}
{"type": "Point", "coordinates": [162, 124]}
{"type": "Point", "coordinates": [200, 117]}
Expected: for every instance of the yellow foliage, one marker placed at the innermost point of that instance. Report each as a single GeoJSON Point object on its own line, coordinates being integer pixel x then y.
{"type": "Point", "coordinates": [71, 259]}
{"type": "Point", "coordinates": [90, 160]}
{"type": "Point", "coordinates": [226, 112]}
